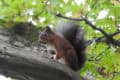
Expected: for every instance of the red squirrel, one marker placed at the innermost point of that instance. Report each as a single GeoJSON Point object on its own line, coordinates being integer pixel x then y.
{"type": "Point", "coordinates": [67, 43]}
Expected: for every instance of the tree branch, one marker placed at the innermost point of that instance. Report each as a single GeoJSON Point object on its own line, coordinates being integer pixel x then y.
{"type": "Point", "coordinates": [108, 38]}
{"type": "Point", "coordinates": [25, 64]}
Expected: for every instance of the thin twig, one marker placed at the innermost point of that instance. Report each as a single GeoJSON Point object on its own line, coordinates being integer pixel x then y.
{"type": "Point", "coordinates": [108, 38]}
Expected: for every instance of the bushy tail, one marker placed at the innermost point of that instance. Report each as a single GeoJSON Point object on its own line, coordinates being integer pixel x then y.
{"type": "Point", "coordinates": [74, 34]}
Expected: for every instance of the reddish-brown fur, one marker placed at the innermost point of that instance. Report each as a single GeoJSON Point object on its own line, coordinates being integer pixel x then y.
{"type": "Point", "coordinates": [63, 48]}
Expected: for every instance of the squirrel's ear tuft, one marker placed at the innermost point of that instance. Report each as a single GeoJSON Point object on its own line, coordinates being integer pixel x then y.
{"type": "Point", "coordinates": [48, 29]}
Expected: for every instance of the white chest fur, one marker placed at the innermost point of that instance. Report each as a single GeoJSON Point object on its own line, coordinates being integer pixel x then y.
{"type": "Point", "coordinates": [53, 56]}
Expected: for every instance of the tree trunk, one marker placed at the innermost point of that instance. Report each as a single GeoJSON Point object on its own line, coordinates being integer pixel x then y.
{"type": "Point", "coordinates": [23, 63]}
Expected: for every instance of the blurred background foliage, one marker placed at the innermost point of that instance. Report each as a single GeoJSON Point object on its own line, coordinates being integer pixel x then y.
{"type": "Point", "coordinates": [103, 60]}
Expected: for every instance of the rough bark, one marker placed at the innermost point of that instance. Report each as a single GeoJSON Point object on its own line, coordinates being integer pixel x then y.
{"type": "Point", "coordinates": [22, 63]}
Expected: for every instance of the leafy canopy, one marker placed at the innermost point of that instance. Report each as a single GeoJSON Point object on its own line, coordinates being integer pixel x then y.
{"type": "Point", "coordinates": [103, 62]}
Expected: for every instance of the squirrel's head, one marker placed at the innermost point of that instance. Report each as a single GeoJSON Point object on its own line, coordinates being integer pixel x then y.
{"type": "Point", "coordinates": [47, 35]}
